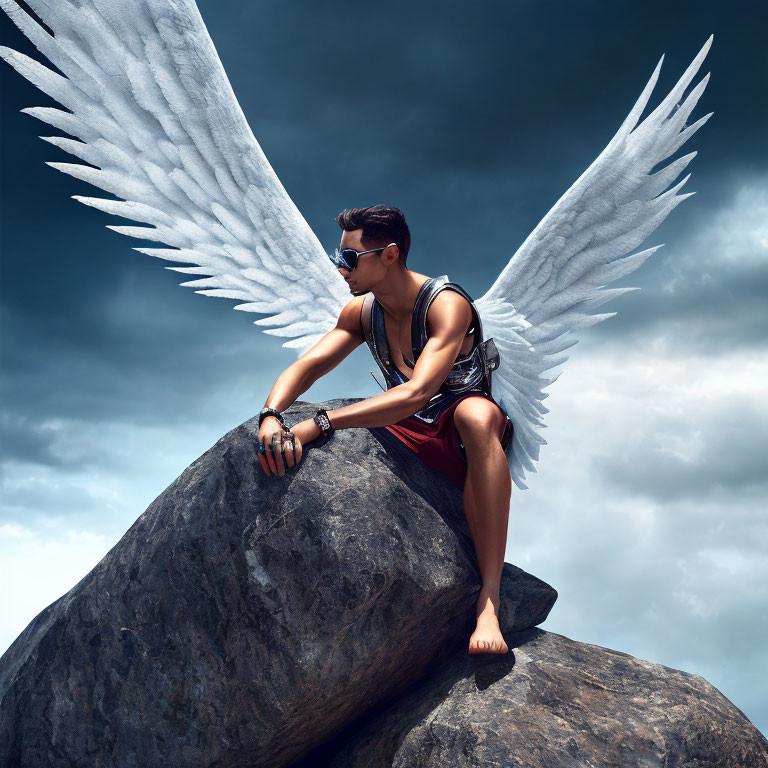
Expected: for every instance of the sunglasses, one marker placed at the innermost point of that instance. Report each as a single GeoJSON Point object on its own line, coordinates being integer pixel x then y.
{"type": "Point", "coordinates": [347, 258]}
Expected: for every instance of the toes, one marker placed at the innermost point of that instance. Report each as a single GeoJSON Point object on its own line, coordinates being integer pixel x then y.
{"type": "Point", "coordinates": [478, 645]}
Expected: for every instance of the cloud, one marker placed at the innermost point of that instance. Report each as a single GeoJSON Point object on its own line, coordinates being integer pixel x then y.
{"type": "Point", "coordinates": [707, 291]}
{"type": "Point", "coordinates": [113, 472]}
{"type": "Point", "coordinates": [704, 429]}
{"type": "Point", "coordinates": [23, 439]}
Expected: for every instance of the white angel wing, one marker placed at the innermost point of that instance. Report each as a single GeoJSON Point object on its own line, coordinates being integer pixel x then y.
{"type": "Point", "coordinates": [558, 274]}
{"type": "Point", "coordinates": [160, 128]}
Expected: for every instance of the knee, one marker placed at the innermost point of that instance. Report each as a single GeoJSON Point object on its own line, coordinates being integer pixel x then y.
{"type": "Point", "coordinates": [478, 420]}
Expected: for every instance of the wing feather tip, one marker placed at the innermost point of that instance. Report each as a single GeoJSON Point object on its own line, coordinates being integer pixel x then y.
{"type": "Point", "coordinates": [115, 228]}
{"type": "Point", "coordinates": [32, 110]}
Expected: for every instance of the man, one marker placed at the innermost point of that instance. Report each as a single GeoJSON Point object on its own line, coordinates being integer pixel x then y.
{"type": "Point", "coordinates": [467, 438]}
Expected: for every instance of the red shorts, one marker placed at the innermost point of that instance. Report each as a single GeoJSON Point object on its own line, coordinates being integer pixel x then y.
{"type": "Point", "coordinates": [438, 444]}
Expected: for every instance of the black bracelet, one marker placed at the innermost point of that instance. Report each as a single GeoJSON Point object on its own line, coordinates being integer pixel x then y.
{"type": "Point", "coordinates": [323, 422]}
{"type": "Point", "coordinates": [271, 412]}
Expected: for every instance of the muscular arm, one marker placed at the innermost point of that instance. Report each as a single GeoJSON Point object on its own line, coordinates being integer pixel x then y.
{"type": "Point", "coordinates": [321, 358]}
{"type": "Point", "coordinates": [449, 316]}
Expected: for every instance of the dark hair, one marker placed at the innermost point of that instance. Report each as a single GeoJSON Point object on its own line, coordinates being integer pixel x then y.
{"type": "Point", "coordinates": [381, 225]}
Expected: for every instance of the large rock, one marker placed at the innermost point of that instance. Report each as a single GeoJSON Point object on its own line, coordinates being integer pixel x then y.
{"type": "Point", "coordinates": [551, 703]}
{"type": "Point", "coordinates": [243, 620]}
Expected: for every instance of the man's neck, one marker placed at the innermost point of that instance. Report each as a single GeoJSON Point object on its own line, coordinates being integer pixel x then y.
{"type": "Point", "coordinates": [397, 293]}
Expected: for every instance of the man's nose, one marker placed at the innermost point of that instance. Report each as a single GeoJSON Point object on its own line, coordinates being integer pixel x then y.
{"type": "Point", "coordinates": [343, 272]}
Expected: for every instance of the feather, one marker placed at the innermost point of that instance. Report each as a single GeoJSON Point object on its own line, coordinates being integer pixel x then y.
{"type": "Point", "coordinates": [558, 275]}
{"type": "Point", "coordinates": [154, 119]}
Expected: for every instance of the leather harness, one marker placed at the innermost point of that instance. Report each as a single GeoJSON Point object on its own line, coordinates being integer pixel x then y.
{"type": "Point", "coordinates": [470, 373]}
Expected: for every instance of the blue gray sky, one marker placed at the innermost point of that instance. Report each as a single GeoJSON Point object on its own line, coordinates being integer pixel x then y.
{"type": "Point", "coordinates": [648, 509]}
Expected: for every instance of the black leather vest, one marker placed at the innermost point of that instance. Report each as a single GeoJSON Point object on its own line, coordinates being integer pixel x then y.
{"type": "Point", "coordinates": [471, 373]}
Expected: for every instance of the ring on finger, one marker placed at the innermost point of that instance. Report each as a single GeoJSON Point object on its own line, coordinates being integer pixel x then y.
{"type": "Point", "coordinates": [277, 439]}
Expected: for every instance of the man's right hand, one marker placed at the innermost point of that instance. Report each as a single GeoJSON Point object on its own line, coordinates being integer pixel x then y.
{"type": "Point", "coordinates": [280, 447]}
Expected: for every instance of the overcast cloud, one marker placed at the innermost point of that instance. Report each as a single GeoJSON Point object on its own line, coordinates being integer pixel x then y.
{"type": "Point", "coordinates": [647, 513]}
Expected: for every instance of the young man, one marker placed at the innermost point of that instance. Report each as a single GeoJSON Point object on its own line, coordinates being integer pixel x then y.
{"type": "Point", "coordinates": [462, 432]}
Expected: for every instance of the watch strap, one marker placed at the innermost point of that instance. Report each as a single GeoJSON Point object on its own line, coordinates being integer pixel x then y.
{"type": "Point", "coordinates": [323, 422]}
{"type": "Point", "coordinates": [271, 412]}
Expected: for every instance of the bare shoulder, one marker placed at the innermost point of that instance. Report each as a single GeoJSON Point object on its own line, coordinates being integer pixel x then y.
{"type": "Point", "coordinates": [349, 317]}
{"type": "Point", "coordinates": [449, 308]}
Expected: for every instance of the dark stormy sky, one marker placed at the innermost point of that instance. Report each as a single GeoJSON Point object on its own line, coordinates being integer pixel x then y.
{"type": "Point", "coordinates": [648, 510]}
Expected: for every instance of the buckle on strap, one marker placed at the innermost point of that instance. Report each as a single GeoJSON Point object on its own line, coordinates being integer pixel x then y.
{"type": "Point", "coordinates": [490, 354]}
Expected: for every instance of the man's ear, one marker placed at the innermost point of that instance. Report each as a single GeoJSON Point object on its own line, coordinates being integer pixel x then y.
{"type": "Point", "coordinates": [391, 254]}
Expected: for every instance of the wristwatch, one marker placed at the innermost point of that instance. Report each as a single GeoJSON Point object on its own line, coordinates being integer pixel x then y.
{"type": "Point", "coordinates": [323, 422]}
{"type": "Point", "coordinates": [264, 412]}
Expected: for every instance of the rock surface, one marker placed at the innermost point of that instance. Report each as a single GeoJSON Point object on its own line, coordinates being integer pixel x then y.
{"type": "Point", "coordinates": [243, 620]}
{"type": "Point", "coordinates": [551, 703]}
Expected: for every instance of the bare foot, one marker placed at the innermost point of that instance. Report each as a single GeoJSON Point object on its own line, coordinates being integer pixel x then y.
{"type": "Point", "coordinates": [487, 636]}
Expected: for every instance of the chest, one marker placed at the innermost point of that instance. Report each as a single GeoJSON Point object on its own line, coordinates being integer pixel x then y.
{"type": "Point", "coordinates": [399, 340]}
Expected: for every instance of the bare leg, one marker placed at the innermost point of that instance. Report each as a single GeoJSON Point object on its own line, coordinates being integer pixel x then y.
{"type": "Point", "coordinates": [487, 492]}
